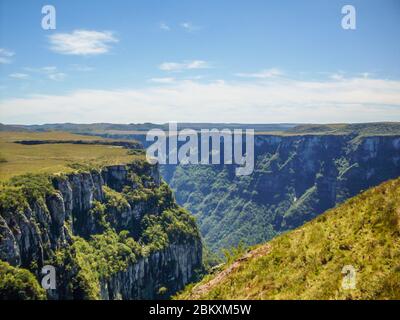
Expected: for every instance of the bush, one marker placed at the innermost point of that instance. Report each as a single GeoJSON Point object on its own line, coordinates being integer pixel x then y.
{"type": "Point", "coordinates": [19, 284]}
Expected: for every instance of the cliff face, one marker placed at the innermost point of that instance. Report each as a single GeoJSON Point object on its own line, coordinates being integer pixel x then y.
{"type": "Point", "coordinates": [57, 220]}
{"type": "Point", "coordinates": [171, 268]}
{"type": "Point", "coordinates": [295, 178]}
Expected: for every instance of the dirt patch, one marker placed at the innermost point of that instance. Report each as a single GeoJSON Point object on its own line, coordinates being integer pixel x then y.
{"type": "Point", "coordinates": [200, 290]}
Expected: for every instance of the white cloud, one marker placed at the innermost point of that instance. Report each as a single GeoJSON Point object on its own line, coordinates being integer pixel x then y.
{"type": "Point", "coordinates": [164, 26]}
{"type": "Point", "coordinates": [263, 74]}
{"type": "Point", "coordinates": [58, 76]}
{"type": "Point", "coordinates": [81, 68]}
{"type": "Point", "coordinates": [186, 65]}
{"type": "Point", "coordinates": [273, 100]}
{"type": "Point", "coordinates": [45, 70]}
{"type": "Point", "coordinates": [337, 76]}
{"type": "Point", "coordinates": [20, 76]}
{"type": "Point", "coordinates": [162, 80]}
{"type": "Point", "coordinates": [82, 42]}
{"type": "Point", "coordinates": [50, 72]}
{"type": "Point", "coordinates": [5, 56]}
{"type": "Point", "coordinates": [189, 27]}
{"type": "Point", "coordinates": [366, 74]}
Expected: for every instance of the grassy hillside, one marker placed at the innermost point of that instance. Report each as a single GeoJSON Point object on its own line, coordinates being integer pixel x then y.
{"type": "Point", "coordinates": [361, 129]}
{"type": "Point", "coordinates": [57, 156]}
{"type": "Point", "coordinates": [307, 263]}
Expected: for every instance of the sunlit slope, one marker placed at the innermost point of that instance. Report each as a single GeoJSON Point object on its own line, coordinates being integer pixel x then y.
{"type": "Point", "coordinates": [307, 263]}
{"type": "Point", "coordinates": [57, 152]}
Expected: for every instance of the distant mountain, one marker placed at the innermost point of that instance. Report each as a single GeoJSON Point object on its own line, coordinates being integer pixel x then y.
{"type": "Point", "coordinates": [351, 252]}
{"type": "Point", "coordinates": [377, 128]}
{"type": "Point", "coordinates": [111, 128]}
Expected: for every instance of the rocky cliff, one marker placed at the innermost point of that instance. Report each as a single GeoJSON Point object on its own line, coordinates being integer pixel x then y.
{"type": "Point", "coordinates": [296, 178]}
{"type": "Point", "coordinates": [111, 233]}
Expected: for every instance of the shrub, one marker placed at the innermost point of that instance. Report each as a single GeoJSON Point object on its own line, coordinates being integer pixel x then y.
{"type": "Point", "coordinates": [19, 284]}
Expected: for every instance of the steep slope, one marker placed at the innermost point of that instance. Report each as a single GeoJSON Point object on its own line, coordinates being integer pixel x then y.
{"type": "Point", "coordinates": [296, 178]}
{"type": "Point", "coordinates": [112, 231]}
{"type": "Point", "coordinates": [307, 263]}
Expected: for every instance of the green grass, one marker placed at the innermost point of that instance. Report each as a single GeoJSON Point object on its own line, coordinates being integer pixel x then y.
{"type": "Point", "coordinates": [17, 159]}
{"type": "Point", "coordinates": [306, 263]}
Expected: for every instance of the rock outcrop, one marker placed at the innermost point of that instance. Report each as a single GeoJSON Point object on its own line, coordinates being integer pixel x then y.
{"type": "Point", "coordinates": [38, 223]}
{"type": "Point", "coordinates": [296, 177]}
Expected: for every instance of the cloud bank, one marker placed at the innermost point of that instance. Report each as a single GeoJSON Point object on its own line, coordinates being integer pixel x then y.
{"type": "Point", "coordinates": [186, 65]}
{"type": "Point", "coordinates": [265, 101]}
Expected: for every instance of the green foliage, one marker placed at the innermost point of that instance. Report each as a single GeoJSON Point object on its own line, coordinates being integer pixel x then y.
{"type": "Point", "coordinates": [234, 253]}
{"type": "Point", "coordinates": [19, 284]}
{"type": "Point", "coordinates": [98, 212]}
{"type": "Point", "coordinates": [174, 225]}
{"type": "Point", "coordinates": [33, 186]}
{"type": "Point", "coordinates": [136, 152]}
{"type": "Point", "coordinates": [12, 199]}
{"type": "Point", "coordinates": [84, 263]}
{"type": "Point", "coordinates": [224, 206]}
{"type": "Point", "coordinates": [159, 198]}
{"type": "Point", "coordinates": [210, 259]}
{"type": "Point", "coordinates": [114, 199]}
{"type": "Point", "coordinates": [307, 263]}
{"type": "Point", "coordinates": [99, 258]}
{"type": "Point", "coordinates": [295, 178]}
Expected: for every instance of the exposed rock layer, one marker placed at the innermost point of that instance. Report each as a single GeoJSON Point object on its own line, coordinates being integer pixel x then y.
{"type": "Point", "coordinates": [32, 234]}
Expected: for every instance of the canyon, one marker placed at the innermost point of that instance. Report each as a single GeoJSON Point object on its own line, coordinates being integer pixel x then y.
{"type": "Point", "coordinates": [68, 220]}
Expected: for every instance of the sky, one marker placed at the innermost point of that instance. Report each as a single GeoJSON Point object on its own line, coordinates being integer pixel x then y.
{"type": "Point", "coordinates": [248, 61]}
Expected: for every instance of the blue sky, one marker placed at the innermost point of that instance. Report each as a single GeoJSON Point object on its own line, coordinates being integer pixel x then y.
{"type": "Point", "coordinates": [238, 61]}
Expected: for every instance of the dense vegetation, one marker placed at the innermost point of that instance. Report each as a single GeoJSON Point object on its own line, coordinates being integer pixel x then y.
{"type": "Point", "coordinates": [363, 129]}
{"type": "Point", "coordinates": [18, 284]}
{"type": "Point", "coordinates": [295, 179]}
{"type": "Point", "coordinates": [95, 254]}
{"type": "Point", "coordinates": [307, 263]}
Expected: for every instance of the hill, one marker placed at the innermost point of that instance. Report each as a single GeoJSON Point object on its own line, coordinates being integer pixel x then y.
{"type": "Point", "coordinates": [307, 263]}
{"type": "Point", "coordinates": [360, 129]}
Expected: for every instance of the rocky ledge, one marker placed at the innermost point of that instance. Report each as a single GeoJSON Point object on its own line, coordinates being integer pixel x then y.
{"type": "Point", "coordinates": [111, 233]}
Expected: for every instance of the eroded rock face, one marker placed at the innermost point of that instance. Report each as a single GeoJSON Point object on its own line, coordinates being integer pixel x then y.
{"type": "Point", "coordinates": [33, 233]}
{"type": "Point", "coordinates": [170, 268]}
{"type": "Point", "coordinates": [295, 179]}
{"type": "Point", "coordinates": [9, 250]}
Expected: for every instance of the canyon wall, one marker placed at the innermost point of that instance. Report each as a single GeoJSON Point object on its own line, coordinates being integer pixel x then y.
{"type": "Point", "coordinates": [59, 219]}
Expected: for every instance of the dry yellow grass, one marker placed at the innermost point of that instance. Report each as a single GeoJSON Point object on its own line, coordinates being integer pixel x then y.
{"type": "Point", "coordinates": [17, 159]}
